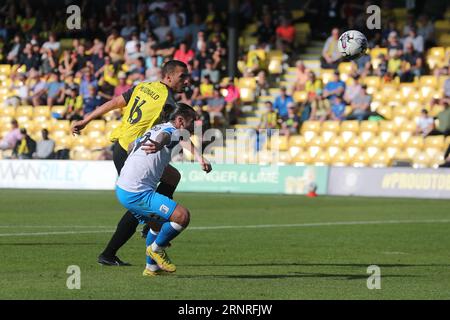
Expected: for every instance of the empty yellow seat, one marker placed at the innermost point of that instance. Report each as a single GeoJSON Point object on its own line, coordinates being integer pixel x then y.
{"type": "Point", "coordinates": [63, 142]}
{"type": "Point", "coordinates": [430, 81]}
{"type": "Point", "coordinates": [421, 160]}
{"type": "Point", "coordinates": [247, 94]}
{"type": "Point", "coordinates": [326, 75]}
{"type": "Point", "coordinates": [275, 66]}
{"type": "Point", "coordinates": [24, 111]}
{"type": "Point", "coordinates": [297, 141]}
{"type": "Point", "coordinates": [380, 160]}
{"type": "Point", "coordinates": [7, 111]}
{"type": "Point", "coordinates": [374, 145]}
{"type": "Point", "coordinates": [340, 159]}
{"type": "Point", "coordinates": [42, 111]}
{"type": "Point", "coordinates": [247, 82]}
{"type": "Point", "coordinates": [62, 125]}
{"type": "Point", "coordinates": [80, 154]}
{"type": "Point", "coordinates": [321, 159]}
{"type": "Point", "coordinates": [302, 158]}
{"type": "Point", "coordinates": [96, 125]}
{"type": "Point", "coordinates": [300, 96]}
{"type": "Point", "coordinates": [81, 142]}
{"type": "Point", "coordinates": [278, 143]}
{"type": "Point", "coordinates": [360, 159]}
{"type": "Point", "coordinates": [434, 142]}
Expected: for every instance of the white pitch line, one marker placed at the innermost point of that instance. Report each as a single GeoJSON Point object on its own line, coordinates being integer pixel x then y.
{"type": "Point", "coordinates": [257, 226]}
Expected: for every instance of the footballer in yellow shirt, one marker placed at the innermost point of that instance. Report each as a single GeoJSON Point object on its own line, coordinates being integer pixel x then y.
{"type": "Point", "coordinates": [142, 106]}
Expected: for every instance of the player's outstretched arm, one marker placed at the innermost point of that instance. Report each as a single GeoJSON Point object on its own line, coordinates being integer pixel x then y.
{"type": "Point", "coordinates": [115, 103]}
{"type": "Point", "coordinates": [204, 163]}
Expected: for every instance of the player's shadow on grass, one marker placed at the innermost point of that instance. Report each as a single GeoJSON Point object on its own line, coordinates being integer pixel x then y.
{"type": "Point", "coordinates": [299, 275]}
{"type": "Point", "coordinates": [289, 264]}
{"type": "Point", "coordinates": [32, 244]}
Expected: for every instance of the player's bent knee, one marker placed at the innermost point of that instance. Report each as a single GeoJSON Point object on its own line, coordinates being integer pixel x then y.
{"type": "Point", "coordinates": [181, 216]}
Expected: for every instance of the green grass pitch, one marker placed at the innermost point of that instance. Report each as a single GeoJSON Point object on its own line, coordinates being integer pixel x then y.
{"type": "Point", "coordinates": [264, 247]}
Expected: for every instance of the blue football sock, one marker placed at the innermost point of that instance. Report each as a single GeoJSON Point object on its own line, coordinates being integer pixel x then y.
{"type": "Point", "coordinates": [151, 236]}
{"type": "Point", "coordinates": [168, 231]}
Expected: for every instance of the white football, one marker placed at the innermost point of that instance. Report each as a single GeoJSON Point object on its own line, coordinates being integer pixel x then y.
{"type": "Point", "coordinates": [352, 44]}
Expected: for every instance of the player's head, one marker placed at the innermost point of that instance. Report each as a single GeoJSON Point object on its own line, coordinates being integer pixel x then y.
{"type": "Point", "coordinates": [183, 117]}
{"type": "Point", "coordinates": [175, 75]}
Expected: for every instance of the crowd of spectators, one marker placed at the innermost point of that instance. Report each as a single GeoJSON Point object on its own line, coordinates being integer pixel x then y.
{"type": "Point", "coordinates": [122, 43]}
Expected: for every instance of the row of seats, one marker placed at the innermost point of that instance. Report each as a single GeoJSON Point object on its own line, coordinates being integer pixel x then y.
{"type": "Point", "coordinates": [331, 156]}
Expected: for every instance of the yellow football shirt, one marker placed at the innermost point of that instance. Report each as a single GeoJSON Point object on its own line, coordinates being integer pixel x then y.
{"type": "Point", "coordinates": [145, 102]}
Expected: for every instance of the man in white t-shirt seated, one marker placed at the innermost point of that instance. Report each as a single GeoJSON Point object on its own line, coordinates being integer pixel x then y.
{"type": "Point", "coordinates": [425, 124]}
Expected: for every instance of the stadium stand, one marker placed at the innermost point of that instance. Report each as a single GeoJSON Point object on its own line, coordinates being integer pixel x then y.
{"type": "Point", "coordinates": [48, 79]}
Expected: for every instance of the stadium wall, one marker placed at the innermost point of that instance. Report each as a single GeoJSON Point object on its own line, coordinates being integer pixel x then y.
{"type": "Point", "coordinates": [237, 178]}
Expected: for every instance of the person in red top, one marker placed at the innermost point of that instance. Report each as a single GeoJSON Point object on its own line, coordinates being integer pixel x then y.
{"type": "Point", "coordinates": [122, 86]}
{"type": "Point", "coordinates": [183, 54]}
{"type": "Point", "coordinates": [285, 34]}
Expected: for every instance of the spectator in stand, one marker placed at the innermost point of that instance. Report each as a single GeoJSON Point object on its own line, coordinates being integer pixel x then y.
{"type": "Point", "coordinates": [334, 88]}
{"type": "Point", "coordinates": [81, 58]}
{"type": "Point", "coordinates": [281, 102]}
{"type": "Point", "coordinates": [447, 86]}
{"type": "Point", "coordinates": [194, 28]}
{"type": "Point", "coordinates": [53, 88]}
{"type": "Point", "coordinates": [115, 47]}
{"type": "Point", "coordinates": [67, 62]}
{"type": "Point", "coordinates": [337, 109]}
{"type": "Point", "coordinates": [201, 42]}
{"type": "Point", "coordinates": [130, 46]}
{"type": "Point", "coordinates": [394, 63]}
{"type": "Point", "coordinates": [176, 14]}
{"type": "Point", "coordinates": [291, 122]}
{"type": "Point", "coordinates": [129, 29]}
{"type": "Point", "coordinates": [382, 68]}
{"type": "Point", "coordinates": [87, 81]}
{"type": "Point", "coordinates": [269, 119]}
{"type": "Point", "coordinates": [216, 108]}
{"type": "Point", "coordinates": [25, 147]}
{"type": "Point", "coordinates": [393, 43]}
{"type": "Point", "coordinates": [52, 44]}
{"type": "Point", "coordinates": [180, 31]}
{"type": "Point", "coordinates": [301, 76]}
{"type": "Point", "coordinates": [45, 148]}
{"type": "Point", "coordinates": [73, 104]}
{"type": "Point", "coordinates": [163, 29]}
{"type": "Point", "coordinates": [38, 88]}
{"type": "Point", "coordinates": [16, 50]}
{"type": "Point", "coordinates": [214, 75]}
{"type": "Point", "coordinates": [412, 64]}
{"type": "Point", "coordinates": [123, 86]}
{"type": "Point", "coordinates": [425, 124]}
{"type": "Point", "coordinates": [285, 35]}
{"type": "Point", "coordinates": [443, 127]}
{"type": "Point", "coordinates": [262, 85]}
{"type": "Point", "coordinates": [91, 102]}
{"type": "Point", "coordinates": [390, 28]}
{"type": "Point", "coordinates": [203, 118]}
{"type": "Point", "coordinates": [232, 97]}
{"type": "Point", "coordinates": [10, 140]}
{"type": "Point", "coordinates": [426, 30]}
{"type": "Point", "coordinates": [352, 90]}
{"type": "Point", "coordinates": [360, 105]}
{"type": "Point", "coordinates": [19, 90]}
{"type": "Point", "coordinates": [266, 32]}
{"type": "Point", "coordinates": [414, 38]}
{"type": "Point", "coordinates": [30, 58]}
{"type": "Point", "coordinates": [330, 52]}
{"type": "Point", "coordinates": [313, 85]}
{"type": "Point", "coordinates": [446, 163]}
{"type": "Point", "coordinates": [183, 53]}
